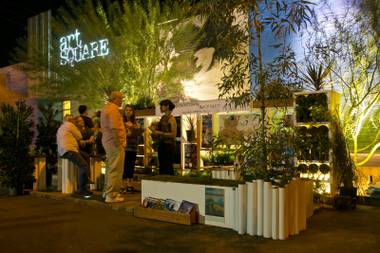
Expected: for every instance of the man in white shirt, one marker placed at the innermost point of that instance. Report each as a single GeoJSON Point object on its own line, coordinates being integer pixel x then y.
{"type": "Point", "coordinates": [68, 140]}
{"type": "Point", "coordinates": [114, 142]}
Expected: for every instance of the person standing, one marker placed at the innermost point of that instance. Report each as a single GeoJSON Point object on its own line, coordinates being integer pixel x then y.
{"type": "Point", "coordinates": [134, 133]}
{"type": "Point", "coordinates": [68, 140]}
{"type": "Point", "coordinates": [82, 109]}
{"type": "Point", "coordinates": [166, 132]}
{"type": "Point", "coordinates": [114, 142]}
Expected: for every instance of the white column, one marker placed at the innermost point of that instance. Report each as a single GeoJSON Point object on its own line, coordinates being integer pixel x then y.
{"type": "Point", "coordinates": [267, 213]}
{"type": "Point", "coordinates": [275, 212]}
{"type": "Point", "coordinates": [249, 208]}
{"type": "Point", "coordinates": [281, 214]}
{"type": "Point", "coordinates": [260, 207]}
{"type": "Point", "coordinates": [242, 209]}
{"type": "Point", "coordinates": [254, 207]}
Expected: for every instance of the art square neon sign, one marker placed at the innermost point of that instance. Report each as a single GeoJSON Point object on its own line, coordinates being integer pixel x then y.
{"type": "Point", "coordinates": [72, 49]}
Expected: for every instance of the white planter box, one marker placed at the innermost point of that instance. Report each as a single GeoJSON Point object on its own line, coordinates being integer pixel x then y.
{"type": "Point", "coordinates": [272, 212]}
{"type": "Point", "coordinates": [194, 193]}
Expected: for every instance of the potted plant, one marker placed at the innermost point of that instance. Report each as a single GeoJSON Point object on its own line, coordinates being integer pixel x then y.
{"type": "Point", "coordinates": [46, 141]}
{"type": "Point", "coordinates": [16, 134]}
{"type": "Point", "coordinates": [191, 127]}
{"type": "Point", "coordinates": [344, 173]}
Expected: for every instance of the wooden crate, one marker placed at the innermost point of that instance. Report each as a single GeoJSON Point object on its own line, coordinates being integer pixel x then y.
{"type": "Point", "coordinates": [167, 216]}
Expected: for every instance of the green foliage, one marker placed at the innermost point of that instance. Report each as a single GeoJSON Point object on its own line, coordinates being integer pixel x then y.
{"type": "Point", "coordinates": [315, 75]}
{"type": "Point", "coordinates": [344, 168]}
{"type": "Point", "coordinates": [16, 134]}
{"type": "Point", "coordinates": [351, 41]}
{"type": "Point", "coordinates": [246, 76]}
{"type": "Point", "coordinates": [312, 108]}
{"type": "Point", "coordinates": [220, 154]}
{"type": "Point", "coordinates": [151, 48]}
{"type": "Point", "coordinates": [279, 141]}
{"type": "Point", "coordinates": [46, 142]}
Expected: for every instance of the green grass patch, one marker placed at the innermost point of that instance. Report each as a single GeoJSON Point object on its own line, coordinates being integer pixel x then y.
{"type": "Point", "coordinates": [196, 180]}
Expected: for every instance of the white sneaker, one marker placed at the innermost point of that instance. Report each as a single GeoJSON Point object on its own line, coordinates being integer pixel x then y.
{"type": "Point", "coordinates": [116, 199]}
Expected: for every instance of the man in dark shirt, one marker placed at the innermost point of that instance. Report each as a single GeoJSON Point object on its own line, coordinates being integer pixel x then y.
{"type": "Point", "coordinates": [87, 120]}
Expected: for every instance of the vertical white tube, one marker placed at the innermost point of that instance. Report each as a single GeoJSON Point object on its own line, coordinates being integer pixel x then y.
{"type": "Point", "coordinates": [297, 214]}
{"type": "Point", "coordinates": [254, 207]}
{"type": "Point", "coordinates": [249, 208]}
{"type": "Point", "coordinates": [281, 213]}
{"type": "Point", "coordinates": [260, 207]}
{"type": "Point", "coordinates": [267, 213]}
{"type": "Point", "coordinates": [236, 209]}
{"type": "Point", "coordinates": [275, 212]}
{"type": "Point", "coordinates": [242, 209]}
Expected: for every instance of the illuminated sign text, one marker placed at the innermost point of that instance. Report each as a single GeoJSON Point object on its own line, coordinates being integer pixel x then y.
{"type": "Point", "coordinates": [72, 49]}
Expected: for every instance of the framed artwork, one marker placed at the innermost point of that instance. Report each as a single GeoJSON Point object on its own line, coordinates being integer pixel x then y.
{"type": "Point", "coordinates": [214, 206]}
{"type": "Point", "coordinates": [206, 131]}
{"type": "Point", "coordinates": [233, 127]}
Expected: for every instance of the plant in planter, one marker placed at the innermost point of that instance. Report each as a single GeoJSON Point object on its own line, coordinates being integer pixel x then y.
{"type": "Point", "coordinates": [312, 108]}
{"type": "Point", "coordinates": [344, 167]}
{"type": "Point", "coordinates": [191, 127]}
{"type": "Point", "coordinates": [315, 76]}
{"type": "Point", "coordinates": [46, 143]}
{"type": "Point", "coordinates": [302, 144]}
{"type": "Point", "coordinates": [280, 153]}
{"type": "Point", "coordinates": [16, 162]}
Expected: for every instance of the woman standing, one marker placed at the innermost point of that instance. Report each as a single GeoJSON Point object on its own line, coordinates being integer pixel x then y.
{"type": "Point", "coordinates": [166, 132]}
{"type": "Point", "coordinates": [134, 133]}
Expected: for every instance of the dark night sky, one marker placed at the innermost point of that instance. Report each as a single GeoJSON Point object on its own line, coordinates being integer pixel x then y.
{"type": "Point", "coordinates": [13, 21]}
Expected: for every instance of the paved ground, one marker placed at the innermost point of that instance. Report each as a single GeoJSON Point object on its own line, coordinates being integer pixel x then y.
{"type": "Point", "coordinates": [33, 224]}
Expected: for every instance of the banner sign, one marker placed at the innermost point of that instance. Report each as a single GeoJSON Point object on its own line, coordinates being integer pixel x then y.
{"type": "Point", "coordinates": [202, 107]}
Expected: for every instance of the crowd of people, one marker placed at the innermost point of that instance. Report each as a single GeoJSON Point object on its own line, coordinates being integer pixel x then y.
{"type": "Point", "coordinates": [113, 135]}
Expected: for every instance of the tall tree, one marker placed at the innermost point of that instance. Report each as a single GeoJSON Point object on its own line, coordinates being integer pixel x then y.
{"type": "Point", "coordinates": [248, 76]}
{"type": "Point", "coordinates": [16, 134]}
{"type": "Point", "coordinates": [352, 43]}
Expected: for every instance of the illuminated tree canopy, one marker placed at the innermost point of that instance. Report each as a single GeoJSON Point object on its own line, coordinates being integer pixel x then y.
{"type": "Point", "coordinates": [141, 48]}
{"type": "Point", "coordinates": [351, 42]}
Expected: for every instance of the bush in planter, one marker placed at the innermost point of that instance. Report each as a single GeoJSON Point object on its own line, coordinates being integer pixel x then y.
{"type": "Point", "coordinates": [16, 163]}
{"type": "Point", "coordinates": [344, 172]}
{"type": "Point", "coordinates": [191, 127]}
{"type": "Point", "coordinates": [302, 143]}
{"type": "Point", "coordinates": [312, 108]}
{"type": "Point", "coordinates": [46, 142]}
{"type": "Point", "coordinates": [324, 143]}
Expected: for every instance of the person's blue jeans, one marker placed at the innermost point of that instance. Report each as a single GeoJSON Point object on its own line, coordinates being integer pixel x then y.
{"type": "Point", "coordinates": [80, 160]}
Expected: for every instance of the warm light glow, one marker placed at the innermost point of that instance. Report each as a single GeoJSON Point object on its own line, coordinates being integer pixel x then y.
{"type": "Point", "coordinates": [66, 107]}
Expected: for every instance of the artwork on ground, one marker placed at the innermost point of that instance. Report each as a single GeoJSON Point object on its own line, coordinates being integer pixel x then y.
{"type": "Point", "coordinates": [233, 127]}
{"type": "Point", "coordinates": [206, 131]}
{"type": "Point", "coordinates": [214, 202]}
